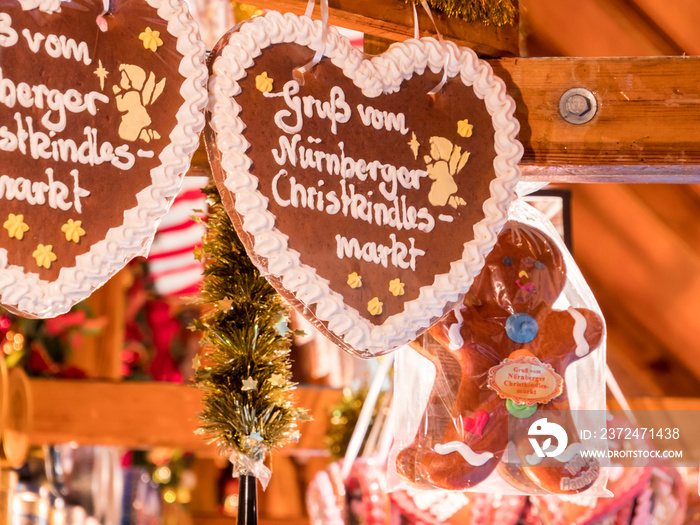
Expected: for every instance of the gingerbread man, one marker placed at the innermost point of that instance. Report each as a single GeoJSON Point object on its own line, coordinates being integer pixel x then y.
{"type": "Point", "coordinates": [504, 352]}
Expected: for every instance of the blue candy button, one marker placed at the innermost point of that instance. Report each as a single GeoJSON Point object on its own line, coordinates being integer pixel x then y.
{"type": "Point", "coordinates": [521, 328]}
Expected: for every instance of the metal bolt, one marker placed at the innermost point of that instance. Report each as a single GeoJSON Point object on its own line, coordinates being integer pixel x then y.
{"type": "Point", "coordinates": [578, 106]}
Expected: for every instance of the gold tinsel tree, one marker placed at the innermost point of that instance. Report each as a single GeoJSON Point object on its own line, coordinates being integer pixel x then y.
{"type": "Point", "coordinates": [244, 370]}
{"type": "Point", "coordinates": [495, 12]}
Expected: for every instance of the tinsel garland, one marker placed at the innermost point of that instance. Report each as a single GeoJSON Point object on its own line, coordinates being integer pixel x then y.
{"type": "Point", "coordinates": [244, 370]}
{"type": "Point", "coordinates": [343, 418]}
{"type": "Point", "coordinates": [496, 12]}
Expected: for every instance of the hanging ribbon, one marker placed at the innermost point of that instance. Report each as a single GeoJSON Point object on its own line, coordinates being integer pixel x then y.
{"type": "Point", "coordinates": [618, 395]}
{"type": "Point", "coordinates": [300, 71]}
{"type": "Point", "coordinates": [365, 417]}
{"type": "Point", "coordinates": [100, 20]}
{"type": "Point", "coordinates": [416, 33]}
{"type": "Point", "coordinates": [245, 465]}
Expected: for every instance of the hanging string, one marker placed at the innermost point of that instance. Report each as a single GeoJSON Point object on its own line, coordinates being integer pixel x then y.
{"type": "Point", "coordinates": [416, 31]}
{"type": "Point", "coordinates": [365, 417]}
{"type": "Point", "coordinates": [618, 395]}
{"type": "Point", "coordinates": [100, 20]}
{"type": "Point", "coordinates": [372, 443]}
{"type": "Point", "coordinates": [426, 7]}
{"type": "Point", "coordinates": [300, 71]}
{"type": "Point", "coordinates": [386, 437]}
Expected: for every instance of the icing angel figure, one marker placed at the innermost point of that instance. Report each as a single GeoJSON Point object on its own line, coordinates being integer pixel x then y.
{"type": "Point", "coordinates": [444, 162]}
{"type": "Point", "coordinates": [135, 92]}
{"type": "Point", "coordinates": [506, 328]}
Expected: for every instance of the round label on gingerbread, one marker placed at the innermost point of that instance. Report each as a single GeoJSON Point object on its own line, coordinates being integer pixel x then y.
{"type": "Point", "coordinates": [525, 381]}
{"type": "Point", "coordinates": [368, 201]}
{"type": "Point", "coordinates": [100, 113]}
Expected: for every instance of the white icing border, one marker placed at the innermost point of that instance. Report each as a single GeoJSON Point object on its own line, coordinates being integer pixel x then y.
{"type": "Point", "coordinates": [381, 74]}
{"type": "Point", "coordinates": [26, 292]}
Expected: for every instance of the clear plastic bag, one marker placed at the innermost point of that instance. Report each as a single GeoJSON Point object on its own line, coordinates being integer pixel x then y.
{"type": "Point", "coordinates": [493, 397]}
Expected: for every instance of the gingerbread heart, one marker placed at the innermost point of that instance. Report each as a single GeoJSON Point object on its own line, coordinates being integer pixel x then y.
{"type": "Point", "coordinates": [367, 202]}
{"type": "Point", "coordinates": [100, 115]}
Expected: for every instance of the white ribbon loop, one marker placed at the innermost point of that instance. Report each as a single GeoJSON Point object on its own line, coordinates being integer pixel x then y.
{"type": "Point", "coordinates": [426, 7]}
{"type": "Point", "coordinates": [244, 465]}
{"type": "Point", "coordinates": [101, 20]}
{"type": "Point", "coordinates": [300, 71]}
{"type": "Point", "coordinates": [416, 29]}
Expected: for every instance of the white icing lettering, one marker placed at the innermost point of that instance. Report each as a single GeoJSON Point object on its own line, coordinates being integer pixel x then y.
{"type": "Point", "coordinates": [275, 193]}
{"type": "Point", "coordinates": [382, 119]}
{"type": "Point", "coordinates": [33, 41]}
{"type": "Point", "coordinates": [78, 192]}
{"type": "Point", "coordinates": [40, 145]}
{"type": "Point", "coordinates": [378, 253]}
{"type": "Point", "coordinates": [286, 191]}
{"type": "Point", "coordinates": [57, 102]}
{"type": "Point", "coordinates": [57, 46]}
{"type": "Point", "coordinates": [8, 36]}
{"type": "Point", "coordinates": [38, 193]}
{"type": "Point", "coordinates": [123, 158]}
{"type": "Point", "coordinates": [336, 109]}
{"type": "Point", "coordinates": [392, 178]}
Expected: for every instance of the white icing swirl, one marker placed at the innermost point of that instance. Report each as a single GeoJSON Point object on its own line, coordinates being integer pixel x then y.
{"type": "Point", "coordinates": [476, 459]}
{"type": "Point", "coordinates": [456, 339]}
{"type": "Point", "coordinates": [582, 346]}
{"type": "Point", "coordinates": [26, 292]}
{"type": "Point", "coordinates": [381, 74]}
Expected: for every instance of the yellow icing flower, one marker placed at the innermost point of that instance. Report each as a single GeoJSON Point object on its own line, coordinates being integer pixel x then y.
{"type": "Point", "coordinates": [73, 230]}
{"type": "Point", "coordinates": [375, 306]}
{"type": "Point", "coordinates": [44, 255]}
{"type": "Point", "coordinates": [151, 39]}
{"type": "Point", "coordinates": [15, 226]}
{"type": "Point", "coordinates": [263, 83]}
{"type": "Point", "coordinates": [396, 287]}
{"type": "Point", "coordinates": [464, 129]}
{"type": "Point", "coordinates": [354, 280]}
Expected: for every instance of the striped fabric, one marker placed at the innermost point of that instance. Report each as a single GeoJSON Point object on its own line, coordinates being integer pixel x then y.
{"type": "Point", "coordinates": [171, 262]}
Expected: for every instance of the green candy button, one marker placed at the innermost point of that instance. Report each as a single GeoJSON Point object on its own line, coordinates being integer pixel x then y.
{"type": "Point", "coordinates": [520, 411]}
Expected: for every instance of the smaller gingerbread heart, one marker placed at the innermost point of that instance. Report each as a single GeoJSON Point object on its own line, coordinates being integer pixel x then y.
{"type": "Point", "coordinates": [101, 113]}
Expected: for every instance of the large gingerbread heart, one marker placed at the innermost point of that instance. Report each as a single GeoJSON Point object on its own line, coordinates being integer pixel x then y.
{"type": "Point", "coordinates": [99, 115]}
{"type": "Point", "coordinates": [367, 202]}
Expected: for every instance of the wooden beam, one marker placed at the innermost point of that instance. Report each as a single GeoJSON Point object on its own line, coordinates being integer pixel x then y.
{"type": "Point", "coordinates": [140, 415]}
{"type": "Point", "coordinates": [393, 19]}
{"type": "Point", "coordinates": [645, 129]}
